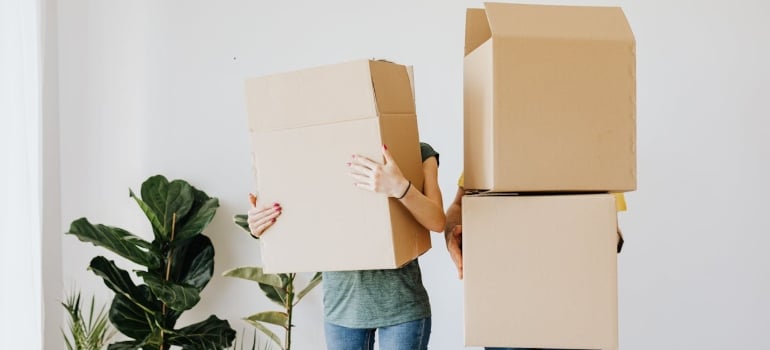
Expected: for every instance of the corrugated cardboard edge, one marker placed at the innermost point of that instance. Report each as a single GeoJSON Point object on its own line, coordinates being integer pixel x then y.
{"type": "Point", "coordinates": [406, 153]}
{"type": "Point", "coordinates": [477, 30]}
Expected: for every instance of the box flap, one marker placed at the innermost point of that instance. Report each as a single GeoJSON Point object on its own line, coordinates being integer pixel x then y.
{"type": "Point", "coordinates": [476, 29]}
{"type": "Point", "coordinates": [410, 72]}
{"type": "Point", "coordinates": [478, 118]}
{"type": "Point", "coordinates": [314, 96]}
{"type": "Point", "coordinates": [410, 238]}
{"type": "Point", "coordinates": [392, 88]}
{"type": "Point", "coordinates": [564, 22]}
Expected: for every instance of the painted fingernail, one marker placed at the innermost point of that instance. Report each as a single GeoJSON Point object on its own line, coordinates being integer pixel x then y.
{"type": "Point", "coordinates": [385, 146]}
{"type": "Point", "coordinates": [276, 205]}
{"type": "Point", "coordinates": [273, 220]}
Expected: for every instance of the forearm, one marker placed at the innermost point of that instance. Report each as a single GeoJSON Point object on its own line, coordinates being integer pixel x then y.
{"type": "Point", "coordinates": [453, 218]}
{"type": "Point", "coordinates": [454, 213]}
{"type": "Point", "coordinates": [453, 231]}
{"type": "Point", "coordinates": [426, 211]}
{"type": "Point", "coordinates": [427, 206]}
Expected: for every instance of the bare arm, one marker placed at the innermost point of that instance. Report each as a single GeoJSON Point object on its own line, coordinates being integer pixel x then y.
{"type": "Point", "coordinates": [454, 230]}
{"type": "Point", "coordinates": [454, 212]}
{"type": "Point", "coordinates": [426, 207]}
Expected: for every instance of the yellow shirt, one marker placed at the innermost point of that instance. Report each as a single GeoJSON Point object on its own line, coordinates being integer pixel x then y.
{"type": "Point", "coordinates": [620, 199]}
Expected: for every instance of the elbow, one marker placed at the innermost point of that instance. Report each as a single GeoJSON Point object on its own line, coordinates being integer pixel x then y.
{"type": "Point", "coordinates": [438, 224]}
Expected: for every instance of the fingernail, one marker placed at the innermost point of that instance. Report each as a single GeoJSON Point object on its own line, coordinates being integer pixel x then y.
{"type": "Point", "coordinates": [385, 146]}
{"type": "Point", "coordinates": [348, 163]}
{"type": "Point", "coordinates": [273, 220]}
{"type": "Point", "coordinates": [276, 205]}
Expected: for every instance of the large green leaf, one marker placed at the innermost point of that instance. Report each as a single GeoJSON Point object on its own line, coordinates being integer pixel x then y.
{"type": "Point", "coordinates": [272, 317]}
{"type": "Point", "coordinates": [271, 284]}
{"type": "Point", "coordinates": [254, 273]}
{"type": "Point", "coordinates": [211, 334]}
{"type": "Point", "coordinates": [175, 295]}
{"type": "Point", "coordinates": [200, 215]}
{"type": "Point", "coordinates": [167, 199]}
{"type": "Point", "coordinates": [278, 295]}
{"type": "Point", "coordinates": [130, 319]}
{"type": "Point", "coordinates": [154, 341]}
{"type": "Point", "coordinates": [193, 262]}
{"type": "Point", "coordinates": [118, 280]}
{"type": "Point", "coordinates": [126, 345]}
{"type": "Point", "coordinates": [312, 284]}
{"type": "Point", "coordinates": [144, 327]}
{"type": "Point", "coordinates": [171, 317]}
{"type": "Point", "coordinates": [157, 224]}
{"type": "Point", "coordinates": [242, 220]}
{"type": "Point", "coordinates": [275, 294]}
{"type": "Point", "coordinates": [116, 240]}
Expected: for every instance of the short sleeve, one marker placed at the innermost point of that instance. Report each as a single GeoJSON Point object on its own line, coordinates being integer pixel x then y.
{"type": "Point", "coordinates": [620, 202]}
{"type": "Point", "coordinates": [427, 151]}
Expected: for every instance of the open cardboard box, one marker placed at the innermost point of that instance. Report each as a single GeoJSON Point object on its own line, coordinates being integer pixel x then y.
{"type": "Point", "coordinates": [304, 127]}
{"type": "Point", "coordinates": [549, 99]}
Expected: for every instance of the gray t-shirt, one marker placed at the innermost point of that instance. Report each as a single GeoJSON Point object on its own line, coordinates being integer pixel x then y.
{"type": "Point", "coordinates": [377, 298]}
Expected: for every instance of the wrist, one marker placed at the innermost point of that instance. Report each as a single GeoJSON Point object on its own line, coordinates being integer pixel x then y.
{"type": "Point", "coordinates": [407, 185]}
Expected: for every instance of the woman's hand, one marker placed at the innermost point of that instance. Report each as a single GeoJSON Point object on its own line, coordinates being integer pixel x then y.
{"type": "Point", "coordinates": [454, 244]}
{"type": "Point", "coordinates": [380, 178]}
{"type": "Point", "coordinates": [453, 233]}
{"type": "Point", "coordinates": [387, 179]}
{"type": "Point", "coordinates": [262, 217]}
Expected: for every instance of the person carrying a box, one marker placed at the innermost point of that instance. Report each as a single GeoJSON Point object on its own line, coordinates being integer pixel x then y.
{"type": "Point", "coordinates": [453, 234]}
{"type": "Point", "coordinates": [392, 303]}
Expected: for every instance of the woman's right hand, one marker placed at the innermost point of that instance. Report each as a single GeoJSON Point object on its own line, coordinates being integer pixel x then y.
{"type": "Point", "coordinates": [454, 244]}
{"type": "Point", "coordinates": [261, 217]}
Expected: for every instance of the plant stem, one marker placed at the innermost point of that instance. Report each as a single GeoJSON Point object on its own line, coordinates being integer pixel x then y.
{"type": "Point", "coordinates": [289, 308]}
{"type": "Point", "coordinates": [168, 275]}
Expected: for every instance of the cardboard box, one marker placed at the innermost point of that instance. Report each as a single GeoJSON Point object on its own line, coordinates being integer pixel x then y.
{"type": "Point", "coordinates": [550, 99]}
{"type": "Point", "coordinates": [304, 126]}
{"type": "Point", "coordinates": [540, 271]}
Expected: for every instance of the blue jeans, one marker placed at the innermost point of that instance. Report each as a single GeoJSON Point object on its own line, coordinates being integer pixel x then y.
{"type": "Point", "coordinates": [413, 335]}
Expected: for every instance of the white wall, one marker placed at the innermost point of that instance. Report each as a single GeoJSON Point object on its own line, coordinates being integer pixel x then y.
{"type": "Point", "coordinates": [21, 204]}
{"type": "Point", "coordinates": [51, 247]}
{"type": "Point", "coordinates": [157, 87]}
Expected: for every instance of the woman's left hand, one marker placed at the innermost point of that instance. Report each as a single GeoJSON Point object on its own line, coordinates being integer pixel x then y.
{"type": "Point", "coordinates": [380, 178]}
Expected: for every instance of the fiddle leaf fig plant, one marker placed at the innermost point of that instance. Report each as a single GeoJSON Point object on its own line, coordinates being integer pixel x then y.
{"type": "Point", "coordinates": [176, 266]}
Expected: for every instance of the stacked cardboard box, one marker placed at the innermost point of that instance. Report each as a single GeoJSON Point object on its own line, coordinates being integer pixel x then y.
{"type": "Point", "coordinates": [550, 115]}
{"type": "Point", "coordinates": [304, 126]}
